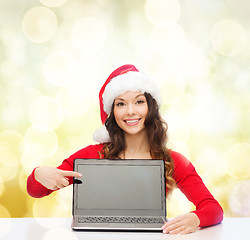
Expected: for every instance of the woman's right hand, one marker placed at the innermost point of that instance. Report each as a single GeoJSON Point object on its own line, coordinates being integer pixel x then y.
{"type": "Point", "coordinates": [54, 178]}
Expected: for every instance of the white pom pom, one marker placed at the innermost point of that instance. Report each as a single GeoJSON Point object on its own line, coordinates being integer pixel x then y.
{"type": "Point", "coordinates": [101, 135]}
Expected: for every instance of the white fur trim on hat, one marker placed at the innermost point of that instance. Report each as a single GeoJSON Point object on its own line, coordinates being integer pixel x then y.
{"type": "Point", "coordinates": [130, 81]}
{"type": "Point", "coordinates": [101, 135]}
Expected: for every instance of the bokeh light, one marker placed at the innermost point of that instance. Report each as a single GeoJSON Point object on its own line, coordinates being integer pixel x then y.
{"type": "Point", "coordinates": [158, 11]}
{"type": "Point", "coordinates": [53, 3]}
{"type": "Point", "coordinates": [12, 114]}
{"type": "Point", "coordinates": [22, 179]}
{"type": "Point", "coordinates": [39, 24]}
{"type": "Point", "coordinates": [165, 35]}
{"type": "Point", "coordinates": [178, 204]}
{"type": "Point", "coordinates": [182, 108]}
{"type": "Point", "coordinates": [2, 187]}
{"type": "Point", "coordinates": [61, 68]}
{"type": "Point", "coordinates": [228, 37]}
{"type": "Point", "coordinates": [40, 144]}
{"type": "Point", "coordinates": [212, 114]}
{"type": "Point", "coordinates": [88, 35]}
{"type": "Point", "coordinates": [4, 213]}
{"type": "Point", "coordinates": [172, 86]}
{"type": "Point", "coordinates": [12, 68]}
{"type": "Point", "coordinates": [240, 198]}
{"type": "Point", "coordinates": [206, 161]}
{"type": "Point", "coordinates": [45, 114]}
{"type": "Point", "coordinates": [29, 96]}
{"type": "Point", "coordinates": [74, 99]}
{"type": "Point", "coordinates": [238, 161]}
{"type": "Point", "coordinates": [181, 57]}
{"type": "Point", "coordinates": [8, 164]}
{"type": "Point", "coordinates": [50, 207]}
{"type": "Point", "coordinates": [190, 60]}
{"type": "Point", "coordinates": [29, 162]}
{"type": "Point", "coordinates": [12, 140]}
{"type": "Point", "coordinates": [242, 82]}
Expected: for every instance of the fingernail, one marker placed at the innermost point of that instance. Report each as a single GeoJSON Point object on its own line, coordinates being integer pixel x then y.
{"type": "Point", "coordinates": [80, 175]}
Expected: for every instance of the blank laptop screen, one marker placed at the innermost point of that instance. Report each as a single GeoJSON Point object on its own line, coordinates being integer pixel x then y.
{"type": "Point", "coordinates": [117, 187]}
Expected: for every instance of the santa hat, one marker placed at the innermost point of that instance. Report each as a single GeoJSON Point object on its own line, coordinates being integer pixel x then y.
{"type": "Point", "coordinates": [123, 79]}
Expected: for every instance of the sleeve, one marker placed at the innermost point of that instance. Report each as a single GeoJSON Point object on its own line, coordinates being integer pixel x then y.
{"type": "Point", "coordinates": [190, 183]}
{"type": "Point", "coordinates": [37, 190]}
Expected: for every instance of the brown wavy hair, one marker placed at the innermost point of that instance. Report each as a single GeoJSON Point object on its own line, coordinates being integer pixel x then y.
{"type": "Point", "coordinates": [157, 136]}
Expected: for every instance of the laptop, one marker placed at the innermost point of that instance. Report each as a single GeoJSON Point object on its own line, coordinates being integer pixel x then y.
{"type": "Point", "coordinates": [119, 195]}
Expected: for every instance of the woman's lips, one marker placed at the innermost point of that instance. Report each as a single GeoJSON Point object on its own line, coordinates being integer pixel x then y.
{"type": "Point", "coordinates": [132, 122]}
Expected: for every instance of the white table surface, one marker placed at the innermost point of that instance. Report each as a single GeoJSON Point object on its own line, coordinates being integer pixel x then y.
{"type": "Point", "coordinates": [60, 228]}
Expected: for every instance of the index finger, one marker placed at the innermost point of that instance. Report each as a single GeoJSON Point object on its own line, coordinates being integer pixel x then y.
{"type": "Point", "coordinates": [71, 174]}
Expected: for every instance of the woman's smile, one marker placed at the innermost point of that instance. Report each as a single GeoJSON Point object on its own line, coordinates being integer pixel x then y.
{"type": "Point", "coordinates": [132, 122]}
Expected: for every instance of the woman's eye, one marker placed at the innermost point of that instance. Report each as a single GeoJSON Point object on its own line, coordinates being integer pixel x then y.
{"type": "Point", "coordinates": [119, 104]}
{"type": "Point", "coordinates": [140, 101]}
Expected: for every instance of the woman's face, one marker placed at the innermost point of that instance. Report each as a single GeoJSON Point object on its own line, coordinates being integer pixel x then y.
{"type": "Point", "coordinates": [130, 111]}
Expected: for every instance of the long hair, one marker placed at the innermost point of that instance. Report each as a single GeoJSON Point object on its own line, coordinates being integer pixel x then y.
{"type": "Point", "coordinates": [156, 129]}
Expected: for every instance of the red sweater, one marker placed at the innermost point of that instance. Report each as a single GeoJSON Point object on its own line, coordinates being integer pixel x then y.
{"type": "Point", "coordinates": [188, 181]}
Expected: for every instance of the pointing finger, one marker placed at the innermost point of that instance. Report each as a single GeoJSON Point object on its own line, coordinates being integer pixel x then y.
{"type": "Point", "coordinates": [71, 174]}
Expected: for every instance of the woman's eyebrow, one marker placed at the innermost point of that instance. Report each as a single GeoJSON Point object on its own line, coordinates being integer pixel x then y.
{"type": "Point", "coordinates": [121, 99]}
{"type": "Point", "coordinates": [140, 95]}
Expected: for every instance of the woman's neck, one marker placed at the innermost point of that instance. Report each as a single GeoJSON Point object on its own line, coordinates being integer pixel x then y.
{"type": "Point", "coordinates": [137, 146]}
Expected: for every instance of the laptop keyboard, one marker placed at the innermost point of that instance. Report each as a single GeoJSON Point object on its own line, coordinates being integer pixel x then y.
{"type": "Point", "coordinates": [144, 220]}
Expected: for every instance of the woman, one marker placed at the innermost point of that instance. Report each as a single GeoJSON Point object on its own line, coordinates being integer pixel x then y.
{"type": "Point", "coordinates": [133, 129]}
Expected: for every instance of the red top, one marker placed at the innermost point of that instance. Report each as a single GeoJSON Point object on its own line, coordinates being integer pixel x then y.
{"type": "Point", "coordinates": [188, 181]}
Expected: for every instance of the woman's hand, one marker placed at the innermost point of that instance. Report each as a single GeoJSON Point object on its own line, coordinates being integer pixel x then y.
{"type": "Point", "coordinates": [182, 224]}
{"type": "Point", "coordinates": [53, 178]}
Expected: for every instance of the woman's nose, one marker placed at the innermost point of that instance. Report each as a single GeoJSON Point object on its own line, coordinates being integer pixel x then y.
{"type": "Point", "coordinates": [131, 109]}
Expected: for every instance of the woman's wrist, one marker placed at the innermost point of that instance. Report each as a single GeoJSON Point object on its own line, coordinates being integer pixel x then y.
{"type": "Point", "coordinates": [36, 173]}
{"type": "Point", "coordinates": [196, 219]}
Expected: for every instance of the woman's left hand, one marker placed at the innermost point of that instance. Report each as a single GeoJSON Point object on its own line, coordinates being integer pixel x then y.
{"type": "Point", "coordinates": [182, 224]}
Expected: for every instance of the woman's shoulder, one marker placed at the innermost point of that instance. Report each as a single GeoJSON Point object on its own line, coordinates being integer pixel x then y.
{"type": "Point", "coordinates": [94, 147]}
{"type": "Point", "coordinates": [182, 166]}
{"type": "Point", "coordinates": [178, 157]}
{"type": "Point", "coordinates": [180, 161]}
{"type": "Point", "coordinates": [91, 151]}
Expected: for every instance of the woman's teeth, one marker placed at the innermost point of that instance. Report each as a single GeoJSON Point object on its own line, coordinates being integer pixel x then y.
{"type": "Point", "coordinates": [132, 121]}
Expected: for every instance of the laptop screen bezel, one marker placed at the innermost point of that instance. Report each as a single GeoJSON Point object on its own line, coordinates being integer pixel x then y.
{"type": "Point", "coordinates": [121, 212]}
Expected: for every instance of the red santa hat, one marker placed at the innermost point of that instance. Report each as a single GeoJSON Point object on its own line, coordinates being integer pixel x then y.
{"type": "Point", "coordinates": [123, 79]}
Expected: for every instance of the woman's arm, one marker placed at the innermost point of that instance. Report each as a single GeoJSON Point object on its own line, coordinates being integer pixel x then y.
{"type": "Point", "coordinates": [54, 178]}
{"type": "Point", "coordinates": [208, 210]}
{"type": "Point", "coordinates": [44, 180]}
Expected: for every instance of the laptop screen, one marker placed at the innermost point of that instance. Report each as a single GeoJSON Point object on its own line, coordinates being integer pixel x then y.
{"type": "Point", "coordinates": [114, 185]}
